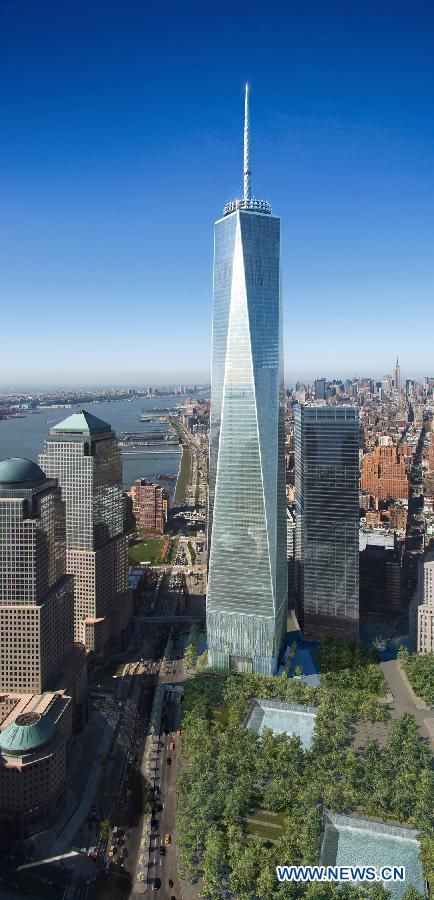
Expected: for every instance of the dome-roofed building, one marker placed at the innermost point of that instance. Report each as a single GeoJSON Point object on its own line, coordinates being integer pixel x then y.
{"type": "Point", "coordinates": [28, 732]}
{"type": "Point", "coordinates": [18, 470]}
{"type": "Point", "coordinates": [35, 732]}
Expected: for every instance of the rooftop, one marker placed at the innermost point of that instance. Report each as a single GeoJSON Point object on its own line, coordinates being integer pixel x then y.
{"type": "Point", "coordinates": [18, 470]}
{"type": "Point", "coordinates": [283, 718]}
{"type": "Point", "coordinates": [351, 842]}
{"type": "Point", "coordinates": [28, 732]}
{"type": "Point", "coordinates": [81, 422]}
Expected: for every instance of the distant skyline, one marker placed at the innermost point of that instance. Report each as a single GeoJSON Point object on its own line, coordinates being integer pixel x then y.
{"type": "Point", "coordinates": [122, 141]}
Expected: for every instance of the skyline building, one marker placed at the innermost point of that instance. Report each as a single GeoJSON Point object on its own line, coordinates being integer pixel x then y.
{"type": "Point", "coordinates": [36, 596]}
{"type": "Point", "coordinates": [327, 519]}
{"type": "Point", "coordinates": [397, 378]}
{"type": "Point", "coordinates": [82, 453]}
{"type": "Point", "coordinates": [320, 389]}
{"type": "Point", "coordinates": [247, 578]}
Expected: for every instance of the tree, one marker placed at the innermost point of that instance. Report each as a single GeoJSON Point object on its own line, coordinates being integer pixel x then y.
{"type": "Point", "coordinates": [189, 656]}
{"type": "Point", "coordinates": [202, 662]}
{"type": "Point", "coordinates": [213, 864]}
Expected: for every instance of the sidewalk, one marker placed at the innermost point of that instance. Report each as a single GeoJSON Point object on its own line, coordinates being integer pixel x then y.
{"type": "Point", "coordinates": [58, 838]}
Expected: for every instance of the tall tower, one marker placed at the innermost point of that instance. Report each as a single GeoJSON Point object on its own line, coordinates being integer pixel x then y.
{"type": "Point", "coordinates": [247, 580]}
{"type": "Point", "coordinates": [82, 453]}
{"type": "Point", "coordinates": [397, 377]}
{"type": "Point", "coordinates": [327, 519]}
{"type": "Point", "coordinates": [36, 597]}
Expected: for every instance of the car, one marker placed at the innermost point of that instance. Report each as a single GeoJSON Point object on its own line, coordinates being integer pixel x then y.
{"type": "Point", "coordinates": [157, 883]}
{"type": "Point", "coordinates": [172, 745]}
{"type": "Point", "coordinates": [162, 851]}
{"type": "Point", "coordinates": [167, 839]}
{"type": "Point", "coordinates": [168, 761]}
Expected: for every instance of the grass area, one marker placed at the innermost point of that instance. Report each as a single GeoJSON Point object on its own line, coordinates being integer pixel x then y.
{"type": "Point", "coordinates": [264, 829]}
{"type": "Point", "coordinates": [149, 550]}
{"type": "Point", "coordinates": [183, 476]}
{"type": "Point", "coordinates": [220, 714]}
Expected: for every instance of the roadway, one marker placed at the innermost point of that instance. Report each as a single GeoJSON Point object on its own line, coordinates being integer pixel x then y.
{"type": "Point", "coordinates": [163, 867]}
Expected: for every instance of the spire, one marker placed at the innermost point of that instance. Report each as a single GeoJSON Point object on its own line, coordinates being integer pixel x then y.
{"type": "Point", "coordinates": [247, 172]}
{"type": "Point", "coordinates": [397, 363]}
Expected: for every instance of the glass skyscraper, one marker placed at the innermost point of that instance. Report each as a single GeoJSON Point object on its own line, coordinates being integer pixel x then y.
{"type": "Point", "coordinates": [247, 578]}
{"type": "Point", "coordinates": [327, 519]}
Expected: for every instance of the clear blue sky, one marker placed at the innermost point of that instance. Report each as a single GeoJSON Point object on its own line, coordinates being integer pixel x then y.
{"type": "Point", "coordinates": [121, 140]}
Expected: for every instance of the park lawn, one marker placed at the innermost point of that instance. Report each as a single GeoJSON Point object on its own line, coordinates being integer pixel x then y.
{"type": "Point", "coordinates": [148, 550]}
{"type": "Point", "coordinates": [221, 714]}
{"type": "Point", "coordinates": [265, 826]}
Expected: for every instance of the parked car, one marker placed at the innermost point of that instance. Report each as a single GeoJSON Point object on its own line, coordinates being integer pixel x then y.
{"type": "Point", "coordinates": [169, 761]}
{"type": "Point", "coordinates": [167, 839]}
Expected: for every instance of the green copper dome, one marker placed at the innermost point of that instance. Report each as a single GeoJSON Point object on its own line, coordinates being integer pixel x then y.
{"type": "Point", "coordinates": [28, 733]}
{"type": "Point", "coordinates": [17, 470]}
{"type": "Point", "coordinates": [80, 423]}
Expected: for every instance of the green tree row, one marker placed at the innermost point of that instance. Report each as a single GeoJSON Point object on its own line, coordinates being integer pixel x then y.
{"type": "Point", "coordinates": [232, 773]}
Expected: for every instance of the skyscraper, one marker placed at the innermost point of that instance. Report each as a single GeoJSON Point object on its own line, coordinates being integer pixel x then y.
{"type": "Point", "coordinates": [82, 453]}
{"type": "Point", "coordinates": [247, 580]}
{"type": "Point", "coordinates": [320, 389]}
{"type": "Point", "coordinates": [327, 519]}
{"type": "Point", "coordinates": [36, 597]}
{"type": "Point", "coordinates": [397, 378]}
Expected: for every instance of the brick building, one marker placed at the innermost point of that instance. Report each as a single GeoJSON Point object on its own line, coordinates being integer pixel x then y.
{"type": "Point", "coordinates": [150, 506]}
{"type": "Point", "coordinates": [384, 474]}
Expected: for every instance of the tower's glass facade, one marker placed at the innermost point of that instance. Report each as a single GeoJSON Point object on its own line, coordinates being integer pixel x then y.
{"type": "Point", "coordinates": [247, 580]}
{"type": "Point", "coordinates": [327, 519]}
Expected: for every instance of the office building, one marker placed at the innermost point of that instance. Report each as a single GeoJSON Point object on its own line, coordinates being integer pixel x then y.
{"type": "Point", "coordinates": [150, 506]}
{"type": "Point", "coordinates": [320, 389]}
{"type": "Point", "coordinates": [421, 612]}
{"type": "Point", "coordinates": [327, 519]}
{"type": "Point", "coordinates": [82, 453]}
{"type": "Point", "coordinates": [384, 473]}
{"type": "Point", "coordinates": [247, 579]}
{"type": "Point", "coordinates": [35, 735]}
{"type": "Point", "coordinates": [36, 596]}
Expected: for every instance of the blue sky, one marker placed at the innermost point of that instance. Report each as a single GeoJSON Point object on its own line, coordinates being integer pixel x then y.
{"type": "Point", "coordinates": [122, 140]}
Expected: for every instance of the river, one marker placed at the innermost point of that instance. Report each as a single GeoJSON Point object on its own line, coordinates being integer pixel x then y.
{"type": "Point", "coordinates": [25, 437]}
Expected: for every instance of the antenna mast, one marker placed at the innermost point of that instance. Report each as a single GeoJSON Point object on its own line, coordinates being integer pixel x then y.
{"type": "Point", "coordinates": [247, 172]}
